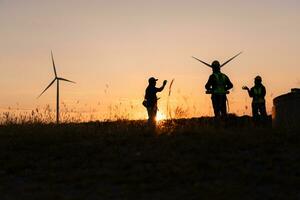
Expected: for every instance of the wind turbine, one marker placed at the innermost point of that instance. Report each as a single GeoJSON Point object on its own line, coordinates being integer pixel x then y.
{"type": "Point", "coordinates": [222, 65]}
{"type": "Point", "coordinates": [57, 79]}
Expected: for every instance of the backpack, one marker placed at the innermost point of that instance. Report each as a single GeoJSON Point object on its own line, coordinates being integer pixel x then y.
{"type": "Point", "coordinates": [145, 103]}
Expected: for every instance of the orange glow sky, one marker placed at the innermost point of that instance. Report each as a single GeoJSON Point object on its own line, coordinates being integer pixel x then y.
{"type": "Point", "coordinates": [110, 48]}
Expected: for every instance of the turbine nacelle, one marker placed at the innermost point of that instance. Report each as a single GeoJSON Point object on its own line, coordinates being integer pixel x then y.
{"type": "Point", "coordinates": [56, 78]}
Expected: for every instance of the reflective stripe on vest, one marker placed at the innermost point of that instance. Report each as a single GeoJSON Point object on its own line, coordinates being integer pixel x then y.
{"type": "Point", "coordinates": [257, 98]}
{"type": "Point", "coordinates": [220, 83]}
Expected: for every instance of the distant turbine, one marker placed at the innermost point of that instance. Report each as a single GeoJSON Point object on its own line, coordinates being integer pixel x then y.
{"type": "Point", "coordinates": [57, 79]}
{"type": "Point", "coordinates": [222, 65]}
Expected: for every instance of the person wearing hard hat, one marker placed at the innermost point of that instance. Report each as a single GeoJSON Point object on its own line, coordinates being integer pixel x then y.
{"type": "Point", "coordinates": [258, 93]}
{"type": "Point", "coordinates": [218, 85]}
{"type": "Point", "coordinates": [150, 101]}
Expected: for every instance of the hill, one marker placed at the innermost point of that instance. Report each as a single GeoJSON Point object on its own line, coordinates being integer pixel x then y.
{"type": "Point", "coordinates": [188, 158]}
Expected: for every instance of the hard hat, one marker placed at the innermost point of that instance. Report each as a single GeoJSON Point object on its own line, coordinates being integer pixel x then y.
{"type": "Point", "coordinates": [152, 80]}
{"type": "Point", "coordinates": [258, 78]}
{"type": "Point", "coordinates": [215, 65]}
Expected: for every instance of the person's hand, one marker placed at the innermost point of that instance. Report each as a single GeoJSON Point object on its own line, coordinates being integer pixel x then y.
{"type": "Point", "coordinates": [245, 88]}
{"type": "Point", "coordinates": [165, 82]}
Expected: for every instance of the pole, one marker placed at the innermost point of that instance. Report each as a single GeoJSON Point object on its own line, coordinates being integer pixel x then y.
{"type": "Point", "coordinates": [57, 103]}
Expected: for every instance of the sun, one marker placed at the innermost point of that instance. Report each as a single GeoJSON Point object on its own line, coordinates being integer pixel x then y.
{"type": "Point", "coordinates": [160, 116]}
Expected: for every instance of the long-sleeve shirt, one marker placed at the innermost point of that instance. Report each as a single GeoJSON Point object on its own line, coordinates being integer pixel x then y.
{"type": "Point", "coordinates": [258, 93]}
{"type": "Point", "coordinates": [213, 84]}
{"type": "Point", "coordinates": [150, 95]}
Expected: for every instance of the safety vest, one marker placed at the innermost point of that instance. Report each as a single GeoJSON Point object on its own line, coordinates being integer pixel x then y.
{"type": "Point", "coordinates": [257, 96]}
{"type": "Point", "coordinates": [220, 83]}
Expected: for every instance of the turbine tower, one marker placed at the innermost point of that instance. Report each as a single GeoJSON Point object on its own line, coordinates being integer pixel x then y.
{"type": "Point", "coordinates": [57, 79]}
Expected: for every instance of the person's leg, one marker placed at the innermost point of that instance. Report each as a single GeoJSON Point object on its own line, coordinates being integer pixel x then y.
{"type": "Point", "coordinates": [149, 111]}
{"type": "Point", "coordinates": [262, 110]}
{"type": "Point", "coordinates": [214, 100]}
{"type": "Point", "coordinates": [255, 111]}
{"type": "Point", "coordinates": [152, 115]}
{"type": "Point", "coordinates": [223, 107]}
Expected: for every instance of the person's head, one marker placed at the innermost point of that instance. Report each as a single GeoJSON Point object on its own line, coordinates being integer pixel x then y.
{"type": "Point", "coordinates": [152, 81]}
{"type": "Point", "coordinates": [257, 80]}
{"type": "Point", "coordinates": [215, 66]}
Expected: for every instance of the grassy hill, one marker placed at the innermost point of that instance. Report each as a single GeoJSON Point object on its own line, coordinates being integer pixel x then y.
{"type": "Point", "coordinates": [182, 159]}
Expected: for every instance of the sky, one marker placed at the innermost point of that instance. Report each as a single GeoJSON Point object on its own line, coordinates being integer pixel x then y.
{"type": "Point", "coordinates": [111, 48]}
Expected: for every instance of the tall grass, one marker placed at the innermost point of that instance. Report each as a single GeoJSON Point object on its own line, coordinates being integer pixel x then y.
{"type": "Point", "coordinates": [176, 106]}
{"type": "Point", "coordinates": [68, 114]}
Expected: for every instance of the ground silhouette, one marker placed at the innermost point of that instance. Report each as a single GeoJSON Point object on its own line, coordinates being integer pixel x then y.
{"type": "Point", "coordinates": [189, 158]}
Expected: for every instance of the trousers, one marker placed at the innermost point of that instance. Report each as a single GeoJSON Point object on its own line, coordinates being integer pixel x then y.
{"type": "Point", "coordinates": [259, 111]}
{"type": "Point", "coordinates": [219, 104]}
{"type": "Point", "coordinates": [152, 111]}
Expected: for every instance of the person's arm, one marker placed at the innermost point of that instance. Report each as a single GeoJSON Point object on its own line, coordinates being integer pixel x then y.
{"type": "Point", "coordinates": [162, 87]}
{"type": "Point", "coordinates": [248, 90]}
{"type": "Point", "coordinates": [229, 85]}
{"type": "Point", "coordinates": [251, 92]}
{"type": "Point", "coordinates": [208, 85]}
{"type": "Point", "coordinates": [263, 92]}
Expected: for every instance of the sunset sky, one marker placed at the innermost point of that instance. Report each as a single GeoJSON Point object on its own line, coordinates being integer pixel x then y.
{"type": "Point", "coordinates": [111, 48]}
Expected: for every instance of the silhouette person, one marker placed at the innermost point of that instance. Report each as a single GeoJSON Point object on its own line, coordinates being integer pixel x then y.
{"type": "Point", "coordinates": [150, 101]}
{"type": "Point", "coordinates": [258, 93]}
{"type": "Point", "coordinates": [218, 85]}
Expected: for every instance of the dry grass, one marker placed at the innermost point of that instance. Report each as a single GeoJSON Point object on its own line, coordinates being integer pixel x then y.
{"type": "Point", "coordinates": [189, 158]}
{"type": "Point", "coordinates": [68, 114]}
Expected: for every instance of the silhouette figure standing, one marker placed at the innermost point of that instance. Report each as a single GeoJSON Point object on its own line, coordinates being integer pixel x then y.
{"type": "Point", "coordinates": [218, 85]}
{"type": "Point", "coordinates": [150, 101]}
{"type": "Point", "coordinates": [258, 93]}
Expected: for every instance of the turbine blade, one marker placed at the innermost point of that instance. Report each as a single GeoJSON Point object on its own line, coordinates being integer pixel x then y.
{"type": "Point", "coordinates": [63, 79]}
{"type": "Point", "coordinates": [202, 61]}
{"type": "Point", "coordinates": [231, 59]}
{"type": "Point", "coordinates": [53, 64]}
{"type": "Point", "coordinates": [47, 87]}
